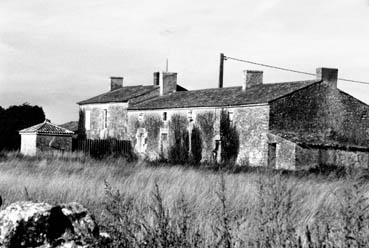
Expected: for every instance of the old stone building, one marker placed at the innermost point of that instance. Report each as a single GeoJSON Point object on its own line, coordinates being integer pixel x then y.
{"type": "Point", "coordinates": [280, 125]}
{"type": "Point", "coordinates": [45, 137]}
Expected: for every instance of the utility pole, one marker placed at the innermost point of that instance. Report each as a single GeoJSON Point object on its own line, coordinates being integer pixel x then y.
{"type": "Point", "coordinates": [221, 70]}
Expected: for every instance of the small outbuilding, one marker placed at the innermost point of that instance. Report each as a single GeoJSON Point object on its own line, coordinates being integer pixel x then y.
{"type": "Point", "coordinates": [45, 137]}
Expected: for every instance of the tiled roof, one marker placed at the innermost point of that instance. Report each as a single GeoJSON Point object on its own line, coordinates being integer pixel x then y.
{"type": "Point", "coordinates": [230, 96]}
{"type": "Point", "coordinates": [124, 94]}
{"type": "Point", "coordinates": [120, 95]}
{"type": "Point", "coordinates": [316, 140]}
{"type": "Point", "coordinates": [47, 128]}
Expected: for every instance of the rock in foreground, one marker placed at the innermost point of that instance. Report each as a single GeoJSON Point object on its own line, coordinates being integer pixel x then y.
{"type": "Point", "coordinates": [28, 224]}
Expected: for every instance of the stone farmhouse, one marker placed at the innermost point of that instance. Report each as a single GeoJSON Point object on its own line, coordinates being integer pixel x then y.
{"type": "Point", "coordinates": [288, 125]}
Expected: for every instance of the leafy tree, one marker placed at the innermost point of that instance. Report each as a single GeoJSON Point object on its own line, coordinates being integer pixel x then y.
{"type": "Point", "coordinates": [14, 119]}
{"type": "Point", "coordinates": [229, 139]}
{"type": "Point", "coordinates": [196, 146]}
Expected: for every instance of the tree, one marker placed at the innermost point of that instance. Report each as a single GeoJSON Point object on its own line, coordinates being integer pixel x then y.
{"type": "Point", "coordinates": [14, 119]}
{"type": "Point", "coordinates": [229, 139]}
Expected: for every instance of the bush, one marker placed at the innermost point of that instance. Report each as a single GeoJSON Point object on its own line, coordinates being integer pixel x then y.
{"type": "Point", "coordinates": [178, 152]}
{"type": "Point", "coordinates": [196, 146]}
{"type": "Point", "coordinates": [229, 139]}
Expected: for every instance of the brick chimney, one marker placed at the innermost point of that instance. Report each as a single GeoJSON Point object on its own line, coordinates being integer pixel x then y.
{"type": "Point", "coordinates": [329, 76]}
{"type": "Point", "coordinates": [252, 78]}
{"type": "Point", "coordinates": [156, 78]}
{"type": "Point", "coordinates": [168, 83]}
{"type": "Point", "coordinates": [116, 83]}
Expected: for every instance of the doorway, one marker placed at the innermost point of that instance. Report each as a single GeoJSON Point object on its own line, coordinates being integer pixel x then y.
{"type": "Point", "coordinates": [272, 154]}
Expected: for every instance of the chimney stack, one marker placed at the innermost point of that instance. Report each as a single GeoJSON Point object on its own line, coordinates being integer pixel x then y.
{"type": "Point", "coordinates": [329, 76]}
{"type": "Point", "coordinates": [168, 83]}
{"type": "Point", "coordinates": [252, 78]}
{"type": "Point", "coordinates": [157, 78]}
{"type": "Point", "coordinates": [116, 83]}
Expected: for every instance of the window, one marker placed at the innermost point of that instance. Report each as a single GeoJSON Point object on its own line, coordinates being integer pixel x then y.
{"type": "Point", "coordinates": [164, 116]}
{"type": "Point", "coordinates": [105, 120]}
{"type": "Point", "coordinates": [87, 120]}
{"type": "Point", "coordinates": [230, 116]}
{"type": "Point", "coordinates": [141, 117]}
{"type": "Point", "coordinates": [189, 115]}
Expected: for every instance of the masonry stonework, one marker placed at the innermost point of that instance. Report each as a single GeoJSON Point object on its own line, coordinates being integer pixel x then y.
{"type": "Point", "coordinates": [312, 157]}
{"type": "Point", "coordinates": [285, 152]}
{"type": "Point", "coordinates": [54, 143]}
{"type": "Point", "coordinates": [116, 121]}
{"type": "Point", "coordinates": [252, 125]}
{"type": "Point", "coordinates": [323, 111]}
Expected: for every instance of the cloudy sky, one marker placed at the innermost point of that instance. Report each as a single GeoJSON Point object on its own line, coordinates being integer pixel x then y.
{"type": "Point", "coordinates": [54, 53]}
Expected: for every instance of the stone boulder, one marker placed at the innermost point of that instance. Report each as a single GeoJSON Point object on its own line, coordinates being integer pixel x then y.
{"type": "Point", "coordinates": [29, 224]}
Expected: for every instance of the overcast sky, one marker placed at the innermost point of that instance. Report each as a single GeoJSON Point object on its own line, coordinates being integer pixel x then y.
{"type": "Point", "coordinates": [54, 53]}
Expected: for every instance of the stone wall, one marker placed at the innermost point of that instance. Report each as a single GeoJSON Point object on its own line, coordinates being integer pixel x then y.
{"type": "Point", "coordinates": [54, 143]}
{"type": "Point", "coordinates": [252, 124]}
{"type": "Point", "coordinates": [158, 133]}
{"type": "Point", "coordinates": [28, 144]}
{"type": "Point", "coordinates": [116, 120]}
{"type": "Point", "coordinates": [285, 152]}
{"type": "Point", "coordinates": [308, 157]}
{"type": "Point", "coordinates": [323, 111]}
{"type": "Point", "coordinates": [147, 127]}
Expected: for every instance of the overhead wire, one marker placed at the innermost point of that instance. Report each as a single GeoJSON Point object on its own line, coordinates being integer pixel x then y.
{"type": "Point", "coordinates": [290, 70]}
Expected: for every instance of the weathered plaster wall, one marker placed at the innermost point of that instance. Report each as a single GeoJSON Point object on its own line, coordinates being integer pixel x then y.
{"type": "Point", "coordinates": [116, 124]}
{"type": "Point", "coordinates": [157, 129]}
{"type": "Point", "coordinates": [252, 124]}
{"type": "Point", "coordinates": [28, 144]}
{"type": "Point", "coordinates": [312, 157]}
{"type": "Point", "coordinates": [54, 143]}
{"type": "Point", "coordinates": [285, 152]}
{"type": "Point", "coordinates": [149, 126]}
{"type": "Point", "coordinates": [323, 111]}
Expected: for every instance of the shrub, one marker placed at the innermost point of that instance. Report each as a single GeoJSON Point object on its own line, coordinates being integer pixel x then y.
{"type": "Point", "coordinates": [196, 146]}
{"type": "Point", "coordinates": [229, 139]}
{"type": "Point", "coordinates": [178, 152]}
{"type": "Point", "coordinates": [81, 132]}
{"type": "Point", "coordinates": [206, 123]}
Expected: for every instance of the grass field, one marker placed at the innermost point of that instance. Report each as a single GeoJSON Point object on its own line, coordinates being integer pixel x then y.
{"type": "Point", "coordinates": [174, 206]}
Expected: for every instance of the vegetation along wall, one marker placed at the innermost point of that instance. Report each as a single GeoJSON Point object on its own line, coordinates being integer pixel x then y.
{"type": "Point", "coordinates": [152, 132]}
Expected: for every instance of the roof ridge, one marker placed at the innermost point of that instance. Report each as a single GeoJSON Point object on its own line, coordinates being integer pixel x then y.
{"type": "Point", "coordinates": [228, 96]}
{"type": "Point", "coordinates": [233, 87]}
{"type": "Point", "coordinates": [44, 125]}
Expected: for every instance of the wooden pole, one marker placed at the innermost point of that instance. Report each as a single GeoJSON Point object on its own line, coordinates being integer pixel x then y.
{"type": "Point", "coordinates": [221, 70]}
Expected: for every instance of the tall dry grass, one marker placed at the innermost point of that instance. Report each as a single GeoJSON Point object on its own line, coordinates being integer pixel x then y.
{"type": "Point", "coordinates": [173, 206]}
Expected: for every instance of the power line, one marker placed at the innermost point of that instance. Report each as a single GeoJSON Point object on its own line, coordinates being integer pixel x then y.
{"type": "Point", "coordinates": [291, 70]}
